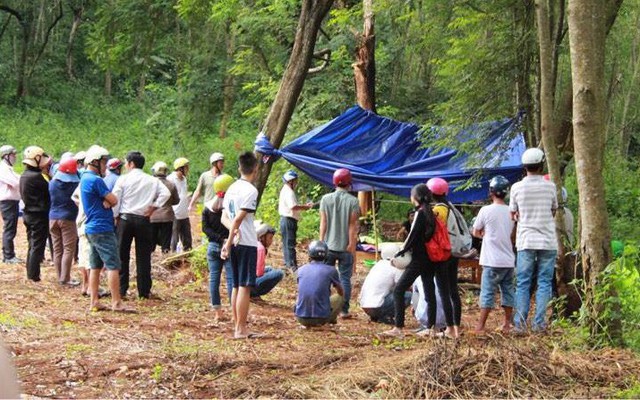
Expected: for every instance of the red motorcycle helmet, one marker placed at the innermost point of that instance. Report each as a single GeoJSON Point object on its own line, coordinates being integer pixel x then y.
{"type": "Point", "coordinates": [68, 166]}
{"type": "Point", "coordinates": [342, 177]}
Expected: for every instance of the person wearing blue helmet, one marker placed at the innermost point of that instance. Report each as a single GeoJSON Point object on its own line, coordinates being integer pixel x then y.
{"type": "Point", "coordinates": [289, 211]}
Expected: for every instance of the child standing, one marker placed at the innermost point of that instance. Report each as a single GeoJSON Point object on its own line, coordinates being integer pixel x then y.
{"type": "Point", "coordinates": [494, 225]}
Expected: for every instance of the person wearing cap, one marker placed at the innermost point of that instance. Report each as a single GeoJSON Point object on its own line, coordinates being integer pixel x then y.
{"type": "Point", "coordinates": [181, 225]}
{"type": "Point", "coordinates": [97, 203]}
{"type": "Point", "coordinates": [289, 211]}
{"type": "Point", "coordinates": [114, 169]}
{"type": "Point", "coordinates": [533, 205]}
{"type": "Point", "coordinates": [205, 182]}
{"type": "Point", "coordinates": [315, 305]}
{"type": "Point", "coordinates": [266, 277]}
{"type": "Point", "coordinates": [339, 212]}
{"type": "Point", "coordinates": [162, 218]}
{"type": "Point", "coordinates": [139, 195]}
{"type": "Point", "coordinates": [217, 233]}
{"type": "Point", "coordinates": [34, 190]}
{"type": "Point", "coordinates": [62, 219]}
{"type": "Point", "coordinates": [9, 202]}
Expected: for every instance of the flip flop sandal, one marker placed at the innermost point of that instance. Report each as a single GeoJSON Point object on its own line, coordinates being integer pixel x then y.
{"type": "Point", "coordinates": [98, 308]}
{"type": "Point", "coordinates": [124, 310]}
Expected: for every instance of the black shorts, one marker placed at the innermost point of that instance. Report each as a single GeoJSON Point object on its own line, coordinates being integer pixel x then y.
{"type": "Point", "coordinates": [243, 261]}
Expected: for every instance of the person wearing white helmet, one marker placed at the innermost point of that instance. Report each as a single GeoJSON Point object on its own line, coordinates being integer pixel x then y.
{"type": "Point", "coordinates": [162, 219]}
{"type": "Point", "coordinates": [34, 190]}
{"type": "Point", "coordinates": [139, 195]}
{"type": "Point", "coordinates": [9, 202]}
{"type": "Point", "coordinates": [205, 182]}
{"type": "Point", "coordinates": [97, 203]}
{"type": "Point", "coordinates": [181, 225]}
{"type": "Point", "coordinates": [533, 205]}
{"type": "Point", "coordinates": [376, 294]}
{"type": "Point", "coordinates": [289, 211]}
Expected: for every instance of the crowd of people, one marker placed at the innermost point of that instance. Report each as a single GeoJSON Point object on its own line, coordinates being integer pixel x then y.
{"type": "Point", "coordinates": [90, 213]}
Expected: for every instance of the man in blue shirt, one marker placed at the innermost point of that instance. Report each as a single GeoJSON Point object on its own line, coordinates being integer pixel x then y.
{"type": "Point", "coordinates": [315, 305]}
{"type": "Point", "coordinates": [97, 202]}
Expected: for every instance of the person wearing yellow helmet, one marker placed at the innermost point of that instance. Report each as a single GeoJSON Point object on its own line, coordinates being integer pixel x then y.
{"type": "Point", "coordinates": [9, 200]}
{"type": "Point", "coordinates": [181, 226]}
{"type": "Point", "coordinates": [34, 190]}
{"type": "Point", "coordinates": [217, 233]}
{"type": "Point", "coordinates": [205, 182]}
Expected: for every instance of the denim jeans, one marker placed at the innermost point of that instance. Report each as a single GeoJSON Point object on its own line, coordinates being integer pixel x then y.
{"type": "Point", "coordinates": [345, 270]}
{"type": "Point", "coordinates": [289, 231]}
{"type": "Point", "coordinates": [526, 265]}
{"type": "Point", "coordinates": [386, 312]}
{"type": "Point", "coordinates": [215, 271]}
{"type": "Point", "coordinates": [266, 282]}
{"type": "Point", "coordinates": [9, 209]}
{"type": "Point", "coordinates": [492, 279]}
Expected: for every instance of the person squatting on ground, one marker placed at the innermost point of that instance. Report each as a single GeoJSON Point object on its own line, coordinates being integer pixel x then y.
{"type": "Point", "coordinates": [97, 203]}
{"type": "Point", "coordinates": [494, 225]}
{"type": "Point", "coordinates": [62, 219]}
{"type": "Point", "coordinates": [289, 211]}
{"type": "Point", "coordinates": [181, 225]}
{"type": "Point", "coordinates": [139, 195]}
{"type": "Point", "coordinates": [239, 205]}
{"type": "Point", "coordinates": [217, 233]}
{"type": "Point", "coordinates": [9, 203]}
{"type": "Point", "coordinates": [422, 229]}
{"type": "Point", "coordinates": [266, 277]}
{"type": "Point", "coordinates": [315, 305]}
{"type": "Point", "coordinates": [376, 294]}
{"type": "Point", "coordinates": [533, 205]}
{"type": "Point", "coordinates": [339, 212]}
{"type": "Point", "coordinates": [162, 218]}
{"type": "Point", "coordinates": [205, 182]}
{"type": "Point", "coordinates": [34, 190]}
{"type": "Point", "coordinates": [444, 210]}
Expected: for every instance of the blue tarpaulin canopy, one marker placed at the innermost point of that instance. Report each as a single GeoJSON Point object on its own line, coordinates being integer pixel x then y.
{"type": "Point", "coordinates": [388, 156]}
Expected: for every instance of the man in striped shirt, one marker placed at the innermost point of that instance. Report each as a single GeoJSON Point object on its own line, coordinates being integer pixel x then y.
{"type": "Point", "coordinates": [533, 204]}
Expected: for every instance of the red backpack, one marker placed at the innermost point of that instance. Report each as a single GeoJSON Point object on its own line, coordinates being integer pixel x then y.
{"type": "Point", "coordinates": [439, 246]}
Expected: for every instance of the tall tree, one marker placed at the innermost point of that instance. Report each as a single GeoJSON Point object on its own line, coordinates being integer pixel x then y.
{"type": "Point", "coordinates": [587, 35]}
{"type": "Point", "coordinates": [311, 15]}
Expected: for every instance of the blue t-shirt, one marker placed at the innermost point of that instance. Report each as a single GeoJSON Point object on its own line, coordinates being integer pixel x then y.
{"type": "Point", "coordinates": [62, 207]}
{"type": "Point", "coordinates": [110, 180]}
{"type": "Point", "coordinates": [314, 290]}
{"type": "Point", "coordinates": [92, 192]}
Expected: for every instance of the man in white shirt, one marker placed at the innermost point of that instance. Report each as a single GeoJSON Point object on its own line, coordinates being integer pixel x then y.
{"type": "Point", "coordinates": [495, 226]}
{"type": "Point", "coordinates": [9, 200]}
{"type": "Point", "coordinates": [139, 194]}
{"type": "Point", "coordinates": [289, 211]}
{"type": "Point", "coordinates": [533, 205]}
{"type": "Point", "coordinates": [181, 225]}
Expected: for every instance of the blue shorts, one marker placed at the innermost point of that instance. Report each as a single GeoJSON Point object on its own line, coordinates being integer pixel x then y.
{"type": "Point", "coordinates": [492, 278]}
{"type": "Point", "coordinates": [243, 261]}
{"type": "Point", "coordinates": [104, 251]}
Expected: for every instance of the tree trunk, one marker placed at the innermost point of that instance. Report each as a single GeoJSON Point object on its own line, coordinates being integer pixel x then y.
{"type": "Point", "coordinates": [364, 71]}
{"type": "Point", "coordinates": [587, 34]}
{"type": "Point", "coordinates": [228, 88]}
{"type": "Point", "coordinates": [77, 19]}
{"type": "Point", "coordinates": [107, 82]}
{"type": "Point", "coordinates": [275, 126]}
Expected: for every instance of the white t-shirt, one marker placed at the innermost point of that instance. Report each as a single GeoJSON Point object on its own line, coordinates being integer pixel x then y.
{"type": "Point", "coordinates": [380, 281]}
{"type": "Point", "coordinates": [287, 201]}
{"type": "Point", "coordinates": [181, 210]}
{"type": "Point", "coordinates": [497, 250]}
{"type": "Point", "coordinates": [535, 199]}
{"type": "Point", "coordinates": [242, 195]}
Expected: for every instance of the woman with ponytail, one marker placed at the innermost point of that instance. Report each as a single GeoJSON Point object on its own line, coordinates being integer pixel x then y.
{"type": "Point", "coordinates": [422, 229]}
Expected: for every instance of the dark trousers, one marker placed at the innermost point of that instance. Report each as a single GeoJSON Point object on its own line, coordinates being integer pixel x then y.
{"type": "Point", "coordinates": [9, 209]}
{"type": "Point", "coordinates": [289, 231]}
{"type": "Point", "coordinates": [139, 228]}
{"type": "Point", "coordinates": [37, 233]}
{"type": "Point", "coordinates": [162, 235]}
{"type": "Point", "coordinates": [452, 278]}
{"type": "Point", "coordinates": [426, 271]}
{"type": "Point", "coordinates": [182, 232]}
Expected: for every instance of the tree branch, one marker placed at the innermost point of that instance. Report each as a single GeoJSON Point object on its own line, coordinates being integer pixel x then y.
{"type": "Point", "coordinates": [46, 40]}
{"type": "Point", "coordinates": [325, 56]}
{"type": "Point", "coordinates": [13, 12]}
{"type": "Point", "coordinates": [4, 26]}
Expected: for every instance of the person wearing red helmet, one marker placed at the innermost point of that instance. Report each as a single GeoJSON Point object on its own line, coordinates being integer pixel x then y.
{"type": "Point", "coordinates": [339, 212]}
{"type": "Point", "coordinates": [62, 219]}
{"type": "Point", "coordinates": [114, 169]}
